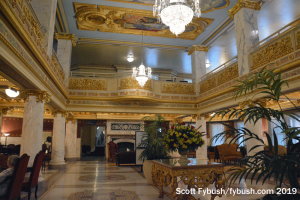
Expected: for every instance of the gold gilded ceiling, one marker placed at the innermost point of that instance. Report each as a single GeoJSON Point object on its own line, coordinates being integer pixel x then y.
{"type": "Point", "coordinates": [131, 21]}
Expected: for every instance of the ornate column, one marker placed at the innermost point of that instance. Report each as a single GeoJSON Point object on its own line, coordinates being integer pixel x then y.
{"type": "Point", "coordinates": [3, 111]}
{"type": "Point", "coordinates": [246, 31]}
{"type": "Point", "coordinates": [45, 10]}
{"type": "Point", "coordinates": [198, 56]}
{"type": "Point", "coordinates": [32, 128]}
{"type": "Point", "coordinates": [201, 153]}
{"type": "Point", "coordinates": [256, 128]}
{"type": "Point", "coordinates": [71, 136]}
{"type": "Point", "coordinates": [64, 51]}
{"type": "Point", "coordinates": [58, 140]}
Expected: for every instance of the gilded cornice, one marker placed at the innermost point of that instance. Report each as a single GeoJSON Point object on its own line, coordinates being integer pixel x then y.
{"type": "Point", "coordinates": [66, 37]}
{"type": "Point", "coordinates": [246, 103]}
{"type": "Point", "coordinates": [41, 96]}
{"type": "Point", "coordinates": [132, 83]}
{"type": "Point", "coordinates": [112, 19]}
{"type": "Point", "coordinates": [63, 113]}
{"type": "Point", "coordinates": [71, 119]}
{"type": "Point", "coordinates": [244, 4]}
{"type": "Point", "coordinates": [3, 110]}
{"type": "Point", "coordinates": [197, 48]}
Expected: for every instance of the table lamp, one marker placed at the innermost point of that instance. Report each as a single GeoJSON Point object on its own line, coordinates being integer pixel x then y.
{"type": "Point", "coordinates": [6, 134]}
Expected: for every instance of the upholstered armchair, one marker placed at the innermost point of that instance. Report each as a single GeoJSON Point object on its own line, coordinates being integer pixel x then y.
{"type": "Point", "coordinates": [281, 150]}
{"type": "Point", "coordinates": [229, 153]}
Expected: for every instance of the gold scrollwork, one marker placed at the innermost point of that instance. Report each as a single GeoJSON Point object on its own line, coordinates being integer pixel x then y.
{"type": "Point", "coordinates": [33, 23]}
{"type": "Point", "coordinates": [41, 96]}
{"type": "Point", "coordinates": [60, 73]}
{"type": "Point", "coordinates": [208, 84]}
{"type": "Point", "coordinates": [197, 48]}
{"type": "Point", "coordinates": [193, 178]}
{"type": "Point", "coordinates": [66, 37]}
{"type": "Point", "coordinates": [3, 110]}
{"type": "Point", "coordinates": [170, 88]}
{"type": "Point", "coordinates": [248, 102]}
{"type": "Point", "coordinates": [71, 119]}
{"type": "Point", "coordinates": [228, 74]}
{"type": "Point", "coordinates": [272, 52]}
{"type": "Point", "coordinates": [244, 4]}
{"type": "Point", "coordinates": [132, 83]}
{"type": "Point", "coordinates": [298, 40]}
{"type": "Point", "coordinates": [62, 112]}
{"type": "Point", "coordinates": [114, 19]}
{"type": "Point", "coordinates": [87, 84]}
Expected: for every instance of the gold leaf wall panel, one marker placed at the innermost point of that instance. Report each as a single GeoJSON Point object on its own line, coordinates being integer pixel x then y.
{"type": "Point", "coordinates": [178, 89]}
{"type": "Point", "coordinates": [131, 21]}
{"type": "Point", "coordinates": [272, 52]}
{"type": "Point", "coordinates": [208, 84]}
{"type": "Point", "coordinates": [298, 40]}
{"type": "Point", "coordinates": [228, 74]}
{"type": "Point", "coordinates": [87, 84]}
{"type": "Point", "coordinates": [131, 83]}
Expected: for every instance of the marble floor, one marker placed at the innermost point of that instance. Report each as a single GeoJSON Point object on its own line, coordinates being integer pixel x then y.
{"type": "Point", "coordinates": [99, 180]}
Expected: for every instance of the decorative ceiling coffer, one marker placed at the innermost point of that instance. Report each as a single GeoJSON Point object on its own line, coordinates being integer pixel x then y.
{"type": "Point", "coordinates": [131, 21]}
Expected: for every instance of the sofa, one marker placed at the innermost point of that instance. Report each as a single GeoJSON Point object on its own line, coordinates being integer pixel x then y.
{"type": "Point", "coordinates": [229, 153]}
{"type": "Point", "coordinates": [126, 157]}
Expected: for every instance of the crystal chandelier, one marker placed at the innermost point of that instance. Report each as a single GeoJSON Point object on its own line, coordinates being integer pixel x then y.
{"type": "Point", "coordinates": [176, 13]}
{"type": "Point", "coordinates": [142, 73]}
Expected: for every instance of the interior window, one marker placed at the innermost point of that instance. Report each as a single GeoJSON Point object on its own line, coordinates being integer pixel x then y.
{"type": "Point", "coordinates": [214, 130]}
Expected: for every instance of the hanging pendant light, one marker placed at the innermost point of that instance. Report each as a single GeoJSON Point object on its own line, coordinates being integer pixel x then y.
{"type": "Point", "coordinates": [142, 73]}
{"type": "Point", "coordinates": [176, 13]}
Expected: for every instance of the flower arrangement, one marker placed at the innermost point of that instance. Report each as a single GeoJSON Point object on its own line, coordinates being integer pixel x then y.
{"type": "Point", "coordinates": [183, 138]}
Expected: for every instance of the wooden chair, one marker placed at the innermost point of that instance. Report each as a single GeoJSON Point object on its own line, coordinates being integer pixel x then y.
{"type": "Point", "coordinates": [16, 180]}
{"type": "Point", "coordinates": [229, 153]}
{"type": "Point", "coordinates": [3, 161]}
{"type": "Point", "coordinates": [34, 175]}
{"type": "Point", "coordinates": [112, 151]}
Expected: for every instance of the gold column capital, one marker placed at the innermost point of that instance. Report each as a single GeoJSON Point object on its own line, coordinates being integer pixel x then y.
{"type": "Point", "coordinates": [3, 110]}
{"type": "Point", "coordinates": [244, 4]}
{"type": "Point", "coordinates": [197, 48]}
{"type": "Point", "coordinates": [40, 95]}
{"type": "Point", "coordinates": [63, 113]}
{"type": "Point", "coordinates": [66, 37]}
{"type": "Point", "coordinates": [70, 119]}
{"type": "Point", "coordinates": [248, 102]}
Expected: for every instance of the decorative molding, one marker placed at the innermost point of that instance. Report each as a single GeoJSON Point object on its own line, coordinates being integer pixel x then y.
{"type": "Point", "coordinates": [62, 112]}
{"type": "Point", "coordinates": [246, 103]}
{"type": "Point", "coordinates": [171, 88]}
{"type": "Point", "coordinates": [66, 37]}
{"type": "Point", "coordinates": [197, 48]}
{"type": "Point", "coordinates": [298, 40]}
{"type": "Point", "coordinates": [58, 68]}
{"type": "Point", "coordinates": [87, 84]}
{"type": "Point", "coordinates": [41, 96]}
{"type": "Point", "coordinates": [208, 84]}
{"type": "Point", "coordinates": [132, 83]}
{"type": "Point", "coordinates": [272, 52]}
{"type": "Point", "coordinates": [228, 74]}
{"type": "Point", "coordinates": [125, 127]}
{"type": "Point", "coordinates": [3, 110]}
{"type": "Point", "coordinates": [244, 4]}
{"type": "Point", "coordinates": [115, 20]}
{"type": "Point", "coordinates": [70, 119]}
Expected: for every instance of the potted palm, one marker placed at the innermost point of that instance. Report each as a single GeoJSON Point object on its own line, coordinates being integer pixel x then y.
{"type": "Point", "coordinates": [152, 142]}
{"type": "Point", "coordinates": [269, 163]}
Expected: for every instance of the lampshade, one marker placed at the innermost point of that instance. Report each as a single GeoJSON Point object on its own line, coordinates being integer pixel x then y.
{"type": "Point", "coordinates": [6, 134]}
{"type": "Point", "coordinates": [12, 93]}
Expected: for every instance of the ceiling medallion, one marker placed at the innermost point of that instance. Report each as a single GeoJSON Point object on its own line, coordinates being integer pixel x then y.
{"type": "Point", "coordinates": [176, 13]}
{"type": "Point", "coordinates": [141, 74]}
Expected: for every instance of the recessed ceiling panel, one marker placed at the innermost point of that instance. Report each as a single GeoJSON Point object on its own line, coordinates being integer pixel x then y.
{"type": "Point", "coordinates": [131, 21]}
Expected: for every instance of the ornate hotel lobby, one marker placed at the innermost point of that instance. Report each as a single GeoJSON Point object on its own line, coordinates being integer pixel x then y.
{"type": "Point", "coordinates": [148, 99]}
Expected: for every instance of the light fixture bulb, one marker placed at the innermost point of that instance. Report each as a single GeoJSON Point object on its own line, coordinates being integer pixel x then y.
{"type": "Point", "coordinates": [12, 93]}
{"type": "Point", "coordinates": [130, 58]}
{"type": "Point", "coordinates": [207, 65]}
{"type": "Point", "coordinates": [212, 114]}
{"type": "Point", "coordinates": [6, 134]}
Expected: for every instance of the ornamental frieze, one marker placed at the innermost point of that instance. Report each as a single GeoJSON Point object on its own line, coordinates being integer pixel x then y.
{"type": "Point", "coordinates": [131, 83]}
{"type": "Point", "coordinates": [298, 40]}
{"type": "Point", "coordinates": [208, 84]}
{"type": "Point", "coordinates": [272, 52]}
{"type": "Point", "coordinates": [228, 74]}
{"type": "Point", "coordinates": [87, 84]}
{"type": "Point", "coordinates": [170, 88]}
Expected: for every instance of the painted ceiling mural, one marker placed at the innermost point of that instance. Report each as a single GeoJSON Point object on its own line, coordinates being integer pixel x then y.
{"type": "Point", "coordinates": [131, 21]}
{"type": "Point", "coordinates": [206, 5]}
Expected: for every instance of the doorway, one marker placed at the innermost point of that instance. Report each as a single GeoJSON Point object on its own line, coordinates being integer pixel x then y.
{"type": "Point", "coordinates": [93, 140]}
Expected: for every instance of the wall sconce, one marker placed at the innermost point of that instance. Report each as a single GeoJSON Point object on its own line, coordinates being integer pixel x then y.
{"type": "Point", "coordinates": [130, 57]}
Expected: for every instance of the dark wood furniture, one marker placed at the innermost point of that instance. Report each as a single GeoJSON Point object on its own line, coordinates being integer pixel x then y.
{"type": "Point", "coordinates": [112, 151]}
{"type": "Point", "coordinates": [47, 155]}
{"type": "Point", "coordinates": [32, 182]}
{"type": "Point", "coordinates": [3, 161]}
{"type": "Point", "coordinates": [126, 157]}
{"type": "Point", "coordinates": [194, 173]}
{"type": "Point", "coordinates": [16, 180]}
